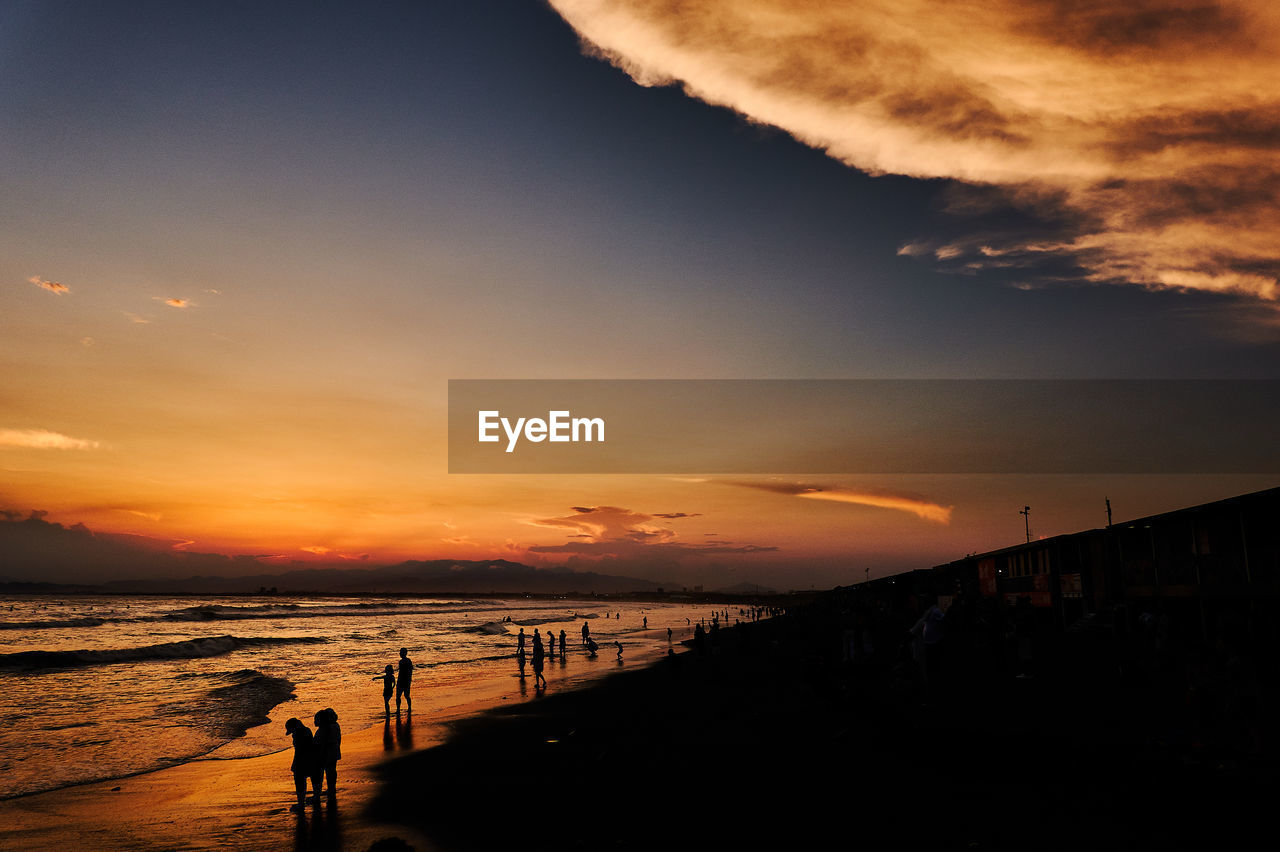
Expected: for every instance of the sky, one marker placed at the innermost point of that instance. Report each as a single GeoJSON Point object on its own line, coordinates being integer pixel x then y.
{"type": "Point", "coordinates": [244, 247]}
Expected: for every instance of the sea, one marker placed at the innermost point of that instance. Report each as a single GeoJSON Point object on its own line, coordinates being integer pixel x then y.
{"type": "Point", "coordinates": [94, 687]}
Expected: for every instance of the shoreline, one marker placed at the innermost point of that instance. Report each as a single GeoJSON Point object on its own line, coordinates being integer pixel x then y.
{"type": "Point", "coordinates": [219, 803]}
{"type": "Point", "coordinates": [243, 802]}
{"type": "Point", "coordinates": [772, 736]}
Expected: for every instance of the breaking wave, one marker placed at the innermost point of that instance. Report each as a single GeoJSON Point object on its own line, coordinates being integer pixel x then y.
{"type": "Point", "coordinates": [191, 649]}
{"type": "Point", "coordinates": [53, 623]}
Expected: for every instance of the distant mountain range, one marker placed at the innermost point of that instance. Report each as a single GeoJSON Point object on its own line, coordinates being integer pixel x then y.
{"type": "Point", "coordinates": [34, 551]}
{"type": "Point", "coordinates": [437, 576]}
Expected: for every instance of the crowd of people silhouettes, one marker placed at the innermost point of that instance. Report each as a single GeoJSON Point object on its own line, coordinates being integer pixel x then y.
{"type": "Point", "coordinates": [316, 754]}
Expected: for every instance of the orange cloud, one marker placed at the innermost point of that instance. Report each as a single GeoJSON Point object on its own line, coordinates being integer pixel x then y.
{"type": "Point", "coordinates": [1147, 132]}
{"type": "Point", "coordinates": [609, 523]}
{"type": "Point", "coordinates": [921, 507]}
{"type": "Point", "coordinates": [178, 303]}
{"type": "Point", "coordinates": [52, 286]}
{"type": "Point", "coordinates": [43, 439]}
{"type": "Point", "coordinates": [150, 516]}
{"type": "Point", "coordinates": [610, 531]}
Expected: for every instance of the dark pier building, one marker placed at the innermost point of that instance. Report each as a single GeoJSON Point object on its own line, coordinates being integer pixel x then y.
{"type": "Point", "coordinates": [1203, 571]}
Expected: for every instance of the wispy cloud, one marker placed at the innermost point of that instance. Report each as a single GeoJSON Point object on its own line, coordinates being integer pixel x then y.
{"type": "Point", "coordinates": [1145, 133]}
{"type": "Point", "coordinates": [667, 549]}
{"type": "Point", "coordinates": [52, 286]}
{"type": "Point", "coordinates": [920, 508]}
{"type": "Point", "coordinates": [601, 523]}
{"type": "Point", "coordinates": [43, 439]}
{"type": "Point", "coordinates": [321, 550]}
{"type": "Point", "coordinates": [915, 504]}
{"type": "Point", "coordinates": [150, 516]}
{"type": "Point", "coordinates": [176, 303]}
{"type": "Point", "coordinates": [612, 531]}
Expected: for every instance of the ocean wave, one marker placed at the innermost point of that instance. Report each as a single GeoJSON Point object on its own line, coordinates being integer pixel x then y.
{"type": "Point", "coordinates": [489, 628]}
{"type": "Point", "coordinates": [229, 711]}
{"type": "Point", "coordinates": [534, 622]}
{"type": "Point", "coordinates": [87, 621]}
{"type": "Point", "coordinates": [68, 726]}
{"type": "Point", "coordinates": [212, 612]}
{"type": "Point", "coordinates": [190, 649]}
{"type": "Point", "coordinates": [227, 612]}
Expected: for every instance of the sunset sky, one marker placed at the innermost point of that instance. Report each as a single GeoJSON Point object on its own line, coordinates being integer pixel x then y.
{"type": "Point", "coordinates": [244, 247]}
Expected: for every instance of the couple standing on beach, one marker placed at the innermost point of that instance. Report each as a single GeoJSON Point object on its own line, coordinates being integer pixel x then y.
{"type": "Point", "coordinates": [400, 684]}
{"type": "Point", "coordinates": [315, 756]}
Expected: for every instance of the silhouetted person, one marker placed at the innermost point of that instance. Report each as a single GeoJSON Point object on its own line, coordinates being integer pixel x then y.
{"type": "Point", "coordinates": [586, 633]}
{"type": "Point", "coordinates": [668, 635]}
{"type": "Point", "coordinates": [405, 681]}
{"type": "Point", "coordinates": [538, 679]}
{"type": "Point", "coordinates": [551, 645]}
{"type": "Point", "coordinates": [619, 644]}
{"type": "Point", "coordinates": [563, 646]}
{"type": "Point", "coordinates": [592, 647]}
{"type": "Point", "coordinates": [520, 639]}
{"type": "Point", "coordinates": [305, 763]}
{"type": "Point", "coordinates": [388, 678]}
{"type": "Point", "coordinates": [328, 745]}
{"type": "Point", "coordinates": [520, 661]}
{"type": "Point", "coordinates": [646, 621]}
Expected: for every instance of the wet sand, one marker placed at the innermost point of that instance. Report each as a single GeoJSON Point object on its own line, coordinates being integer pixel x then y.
{"type": "Point", "coordinates": [244, 803]}
{"type": "Point", "coordinates": [214, 804]}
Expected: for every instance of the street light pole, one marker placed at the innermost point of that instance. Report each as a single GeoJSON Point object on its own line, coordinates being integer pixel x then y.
{"type": "Point", "coordinates": [1026, 520]}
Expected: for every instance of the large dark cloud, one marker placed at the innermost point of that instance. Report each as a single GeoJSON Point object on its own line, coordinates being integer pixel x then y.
{"type": "Point", "coordinates": [1144, 129]}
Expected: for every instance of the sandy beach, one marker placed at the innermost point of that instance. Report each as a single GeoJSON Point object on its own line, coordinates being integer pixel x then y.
{"type": "Point", "coordinates": [768, 738]}
{"type": "Point", "coordinates": [243, 803]}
